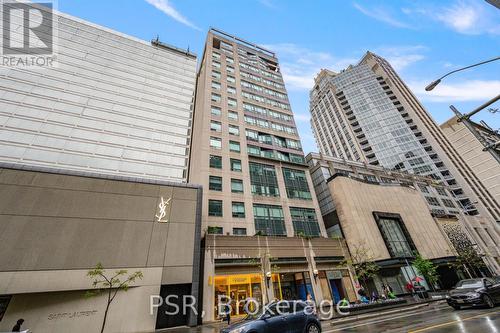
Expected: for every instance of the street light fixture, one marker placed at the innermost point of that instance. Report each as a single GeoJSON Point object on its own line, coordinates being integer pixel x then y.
{"type": "Point", "coordinates": [433, 84]}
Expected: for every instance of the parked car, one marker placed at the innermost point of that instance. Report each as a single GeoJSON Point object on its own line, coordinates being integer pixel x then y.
{"type": "Point", "coordinates": [472, 292]}
{"type": "Point", "coordinates": [281, 316]}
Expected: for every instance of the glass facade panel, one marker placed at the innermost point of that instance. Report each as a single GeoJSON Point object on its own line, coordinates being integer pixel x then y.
{"type": "Point", "coordinates": [305, 222]}
{"type": "Point", "coordinates": [215, 143]}
{"type": "Point", "coordinates": [236, 186]}
{"type": "Point", "coordinates": [263, 180]}
{"type": "Point", "coordinates": [216, 161]}
{"type": "Point", "coordinates": [238, 209]}
{"type": "Point", "coordinates": [215, 183]}
{"type": "Point", "coordinates": [395, 238]}
{"type": "Point", "coordinates": [296, 184]}
{"type": "Point", "coordinates": [214, 207]}
{"type": "Point", "coordinates": [269, 220]}
{"type": "Point", "coordinates": [235, 165]}
{"type": "Point", "coordinates": [234, 146]}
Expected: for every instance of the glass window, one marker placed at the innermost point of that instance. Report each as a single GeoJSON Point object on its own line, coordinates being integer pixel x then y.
{"type": "Point", "coordinates": [448, 203]}
{"type": "Point", "coordinates": [216, 64]}
{"type": "Point", "coordinates": [215, 85]}
{"type": "Point", "coordinates": [215, 142]}
{"type": "Point", "coordinates": [231, 90]}
{"type": "Point", "coordinates": [215, 230]}
{"type": "Point", "coordinates": [234, 146]}
{"type": "Point", "coordinates": [269, 220]}
{"type": "Point", "coordinates": [215, 111]}
{"type": "Point", "coordinates": [296, 184]}
{"type": "Point", "coordinates": [238, 209]}
{"type": "Point", "coordinates": [234, 130]}
{"type": "Point", "coordinates": [441, 191]}
{"type": "Point", "coordinates": [252, 135]}
{"type": "Point", "coordinates": [230, 69]}
{"type": "Point", "coordinates": [231, 79]}
{"type": "Point", "coordinates": [263, 180]}
{"type": "Point", "coordinates": [305, 222]}
{"type": "Point", "coordinates": [395, 237]}
{"type": "Point", "coordinates": [216, 126]}
{"type": "Point", "coordinates": [216, 161]}
{"type": "Point", "coordinates": [240, 231]}
{"type": "Point", "coordinates": [232, 102]}
{"type": "Point", "coordinates": [214, 207]}
{"type": "Point", "coordinates": [253, 150]}
{"type": "Point", "coordinates": [236, 186]}
{"type": "Point", "coordinates": [216, 75]}
{"type": "Point", "coordinates": [432, 201]}
{"type": "Point", "coordinates": [232, 115]}
{"type": "Point", "coordinates": [215, 183]}
{"type": "Point", "coordinates": [235, 165]}
{"type": "Point", "coordinates": [215, 98]}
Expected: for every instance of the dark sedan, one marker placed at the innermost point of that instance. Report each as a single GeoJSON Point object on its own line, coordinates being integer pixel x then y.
{"type": "Point", "coordinates": [280, 317]}
{"type": "Point", "coordinates": [471, 292]}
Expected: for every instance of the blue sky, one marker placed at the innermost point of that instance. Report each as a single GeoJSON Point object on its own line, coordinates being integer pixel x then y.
{"type": "Point", "coordinates": [421, 39]}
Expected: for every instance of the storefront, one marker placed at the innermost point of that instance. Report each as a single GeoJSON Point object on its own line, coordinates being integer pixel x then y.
{"type": "Point", "coordinates": [332, 285]}
{"type": "Point", "coordinates": [238, 288]}
{"type": "Point", "coordinates": [267, 268]}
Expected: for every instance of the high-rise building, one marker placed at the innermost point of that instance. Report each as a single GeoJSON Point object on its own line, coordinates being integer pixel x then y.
{"type": "Point", "coordinates": [366, 113]}
{"type": "Point", "coordinates": [479, 147]}
{"type": "Point", "coordinates": [246, 151]}
{"type": "Point", "coordinates": [258, 195]}
{"type": "Point", "coordinates": [114, 104]}
{"type": "Point", "coordinates": [93, 154]}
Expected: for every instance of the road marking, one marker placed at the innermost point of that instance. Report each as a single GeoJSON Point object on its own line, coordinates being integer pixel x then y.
{"type": "Point", "coordinates": [453, 322]}
{"type": "Point", "coordinates": [377, 321]}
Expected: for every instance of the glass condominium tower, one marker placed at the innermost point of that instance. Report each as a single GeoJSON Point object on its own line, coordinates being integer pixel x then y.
{"type": "Point", "coordinates": [246, 151]}
{"type": "Point", "coordinates": [366, 113]}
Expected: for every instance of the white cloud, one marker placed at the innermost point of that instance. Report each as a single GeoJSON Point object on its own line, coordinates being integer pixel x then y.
{"type": "Point", "coordinates": [167, 8]}
{"type": "Point", "coordinates": [382, 14]}
{"type": "Point", "coordinates": [463, 16]}
{"type": "Point", "coordinates": [300, 65]}
{"type": "Point", "coordinates": [268, 3]}
{"type": "Point", "coordinates": [302, 117]}
{"type": "Point", "coordinates": [403, 56]}
{"type": "Point", "coordinates": [471, 90]}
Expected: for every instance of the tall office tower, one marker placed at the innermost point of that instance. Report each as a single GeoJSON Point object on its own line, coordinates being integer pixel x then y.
{"type": "Point", "coordinates": [479, 147]}
{"type": "Point", "coordinates": [246, 151]}
{"type": "Point", "coordinates": [114, 105]}
{"type": "Point", "coordinates": [366, 113]}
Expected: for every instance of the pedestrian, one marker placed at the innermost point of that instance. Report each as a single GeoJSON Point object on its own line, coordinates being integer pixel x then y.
{"type": "Point", "coordinates": [227, 309]}
{"type": "Point", "coordinates": [17, 326]}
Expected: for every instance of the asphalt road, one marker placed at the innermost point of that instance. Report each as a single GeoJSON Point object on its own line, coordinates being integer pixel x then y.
{"type": "Point", "coordinates": [431, 319]}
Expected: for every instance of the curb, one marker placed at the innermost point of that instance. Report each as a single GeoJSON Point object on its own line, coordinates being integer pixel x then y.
{"type": "Point", "coordinates": [407, 308]}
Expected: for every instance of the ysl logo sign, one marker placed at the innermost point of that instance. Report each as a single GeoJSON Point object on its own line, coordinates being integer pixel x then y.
{"type": "Point", "coordinates": [162, 210]}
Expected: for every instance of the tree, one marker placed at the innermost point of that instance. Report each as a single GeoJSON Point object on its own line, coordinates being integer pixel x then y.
{"type": "Point", "coordinates": [469, 259]}
{"type": "Point", "coordinates": [426, 268]}
{"type": "Point", "coordinates": [110, 285]}
{"type": "Point", "coordinates": [364, 265]}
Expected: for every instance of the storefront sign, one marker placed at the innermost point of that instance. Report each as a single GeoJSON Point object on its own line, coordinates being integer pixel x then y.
{"type": "Point", "coordinates": [71, 315]}
{"type": "Point", "coordinates": [334, 275]}
{"type": "Point", "coordinates": [162, 210]}
{"type": "Point", "coordinates": [239, 279]}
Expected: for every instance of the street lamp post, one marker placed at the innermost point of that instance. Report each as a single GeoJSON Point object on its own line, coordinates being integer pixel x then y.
{"type": "Point", "coordinates": [465, 117]}
{"type": "Point", "coordinates": [433, 84]}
